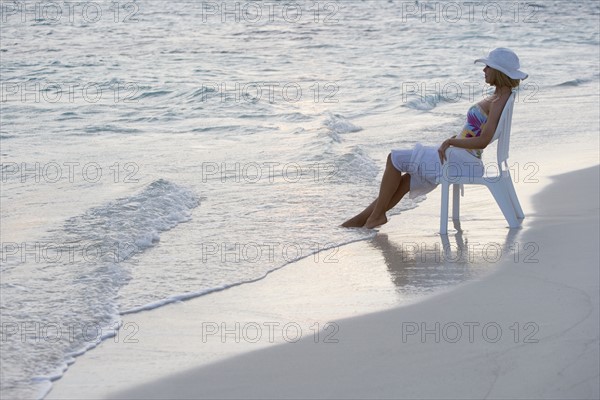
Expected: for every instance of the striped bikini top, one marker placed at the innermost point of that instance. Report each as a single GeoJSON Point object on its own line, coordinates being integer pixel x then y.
{"type": "Point", "coordinates": [476, 119]}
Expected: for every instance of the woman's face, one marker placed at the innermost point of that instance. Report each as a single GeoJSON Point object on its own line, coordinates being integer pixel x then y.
{"type": "Point", "coordinates": [487, 71]}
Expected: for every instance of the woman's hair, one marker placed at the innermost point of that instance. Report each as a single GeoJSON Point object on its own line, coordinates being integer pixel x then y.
{"type": "Point", "coordinates": [500, 79]}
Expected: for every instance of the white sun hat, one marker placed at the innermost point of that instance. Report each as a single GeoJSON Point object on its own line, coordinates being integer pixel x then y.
{"type": "Point", "coordinates": [504, 60]}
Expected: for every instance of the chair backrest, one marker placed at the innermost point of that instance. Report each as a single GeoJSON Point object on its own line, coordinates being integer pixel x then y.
{"type": "Point", "coordinates": [502, 133]}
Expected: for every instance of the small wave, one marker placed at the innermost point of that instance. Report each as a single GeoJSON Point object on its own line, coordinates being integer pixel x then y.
{"type": "Point", "coordinates": [114, 82]}
{"type": "Point", "coordinates": [94, 129]}
{"type": "Point", "coordinates": [339, 124]}
{"type": "Point", "coordinates": [97, 245]}
{"type": "Point", "coordinates": [156, 93]}
{"type": "Point", "coordinates": [201, 93]}
{"type": "Point", "coordinates": [138, 219]}
{"type": "Point", "coordinates": [355, 167]}
{"type": "Point", "coordinates": [536, 5]}
{"type": "Point", "coordinates": [218, 129]}
{"type": "Point", "coordinates": [334, 136]}
{"type": "Point", "coordinates": [296, 117]}
{"type": "Point", "coordinates": [68, 116]}
{"type": "Point", "coordinates": [574, 82]}
{"type": "Point", "coordinates": [424, 103]}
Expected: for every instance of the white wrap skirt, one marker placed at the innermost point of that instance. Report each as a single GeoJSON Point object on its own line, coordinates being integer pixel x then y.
{"type": "Point", "coordinates": [425, 168]}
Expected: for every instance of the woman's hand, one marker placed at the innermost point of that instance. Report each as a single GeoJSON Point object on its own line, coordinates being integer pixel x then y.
{"type": "Point", "coordinates": [442, 150]}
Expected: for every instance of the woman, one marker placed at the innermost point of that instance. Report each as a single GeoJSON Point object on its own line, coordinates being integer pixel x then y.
{"type": "Point", "coordinates": [422, 165]}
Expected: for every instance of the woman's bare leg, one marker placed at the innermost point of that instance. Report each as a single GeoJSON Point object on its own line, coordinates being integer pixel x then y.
{"type": "Point", "coordinates": [360, 219]}
{"type": "Point", "coordinates": [403, 188]}
{"type": "Point", "coordinates": [393, 187]}
{"type": "Point", "coordinates": [390, 183]}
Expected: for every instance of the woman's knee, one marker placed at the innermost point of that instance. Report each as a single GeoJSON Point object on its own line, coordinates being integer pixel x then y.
{"type": "Point", "coordinates": [389, 164]}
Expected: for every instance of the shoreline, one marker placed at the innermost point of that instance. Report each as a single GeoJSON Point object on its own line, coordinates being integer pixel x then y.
{"type": "Point", "coordinates": [539, 320]}
{"type": "Point", "coordinates": [170, 338]}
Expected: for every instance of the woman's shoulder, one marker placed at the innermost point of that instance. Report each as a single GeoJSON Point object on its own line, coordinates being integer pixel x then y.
{"type": "Point", "coordinates": [494, 102]}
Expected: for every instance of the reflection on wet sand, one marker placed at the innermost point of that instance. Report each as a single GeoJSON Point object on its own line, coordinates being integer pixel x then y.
{"type": "Point", "coordinates": [424, 264]}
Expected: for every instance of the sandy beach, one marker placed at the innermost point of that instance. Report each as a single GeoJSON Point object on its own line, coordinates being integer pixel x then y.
{"type": "Point", "coordinates": [524, 326]}
{"type": "Point", "coordinates": [175, 175]}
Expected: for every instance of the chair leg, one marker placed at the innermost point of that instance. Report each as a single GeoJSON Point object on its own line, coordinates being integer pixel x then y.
{"type": "Point", "coordinates": [455, 202]}
{"type": "Point", "coordinates": [444, 208]}
{"type": "Point", "coordinates": [513, 198]}
{"type": "Point", "coordinates": [504, 202]}
{"type": "Point", "coordinates": [456, 207]}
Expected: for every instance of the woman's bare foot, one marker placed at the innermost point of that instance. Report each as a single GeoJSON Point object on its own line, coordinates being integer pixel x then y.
{"type": "Point", "coordinates": [355, 222]}
{"type": "Point", "coordinates": [374, 222]}
{"type": "Point", "coordinates": [360, 219]}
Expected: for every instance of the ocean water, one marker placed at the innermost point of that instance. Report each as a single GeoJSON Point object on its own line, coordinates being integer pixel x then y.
{"type": "Point", "coordinates": [156, 151]}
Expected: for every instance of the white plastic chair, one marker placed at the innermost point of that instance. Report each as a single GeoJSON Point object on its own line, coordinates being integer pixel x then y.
{"type": "Point", "coordinates": [500, 184]}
